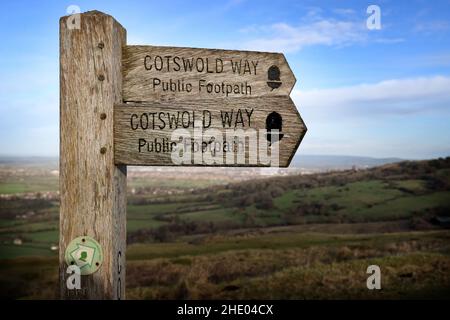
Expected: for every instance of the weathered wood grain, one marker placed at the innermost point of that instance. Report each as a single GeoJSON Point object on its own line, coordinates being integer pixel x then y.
{"type": "Point", "coordinates": [144, 66]}
{"type": "Point", "coordinates": [128, 129]}
{"type": "Point", "coordinates": [92, 188]}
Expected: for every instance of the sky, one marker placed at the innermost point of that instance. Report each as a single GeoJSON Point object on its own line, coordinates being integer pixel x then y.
{"type": "Point", "coordinates": [381, 92]}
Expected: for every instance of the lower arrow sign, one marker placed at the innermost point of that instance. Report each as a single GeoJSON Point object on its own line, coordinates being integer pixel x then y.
{"type": "Point", "coordinates": [250, 132]}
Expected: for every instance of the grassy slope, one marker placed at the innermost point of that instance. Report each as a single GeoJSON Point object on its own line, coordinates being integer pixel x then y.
{"type": "Point", "coordinates": [276, 265]}
{"type": "Point", "coordinates": [309, 260]}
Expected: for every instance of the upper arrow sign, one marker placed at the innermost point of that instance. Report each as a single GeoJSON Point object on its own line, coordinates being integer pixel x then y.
{"type": "Point", "coordinates": [152, 73]}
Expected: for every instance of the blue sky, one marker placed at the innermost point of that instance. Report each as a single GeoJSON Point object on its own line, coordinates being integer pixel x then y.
{"type": "Point", "coordinates": [380, 93]}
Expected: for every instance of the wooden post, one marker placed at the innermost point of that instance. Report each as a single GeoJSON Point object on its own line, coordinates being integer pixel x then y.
{"type": "Point", "coordinates": [92, 188]}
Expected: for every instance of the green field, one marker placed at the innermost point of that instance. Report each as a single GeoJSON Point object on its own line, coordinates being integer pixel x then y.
{"type": "Point", "coordinates": [293, 237]}
{"type": "Point", "coordinates": [276, 265]}
{"type": "Point", "coordinates": [367, 201]}
{"type": "Point", "coordinates": [29, 184]}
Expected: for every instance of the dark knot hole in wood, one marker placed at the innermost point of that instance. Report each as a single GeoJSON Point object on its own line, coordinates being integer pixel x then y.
{"type": "Point", "coordinates": [274, 121]}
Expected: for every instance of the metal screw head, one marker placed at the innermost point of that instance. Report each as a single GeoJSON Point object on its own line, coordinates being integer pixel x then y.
{"type": "Point", "coordinates": [103, 116]}
{"type": "Point", "coordinates": [101, 77]}
{"type": "Point", "coordinates": [103, 150]}
{"type": "Point", "coordinates": [101, 45]}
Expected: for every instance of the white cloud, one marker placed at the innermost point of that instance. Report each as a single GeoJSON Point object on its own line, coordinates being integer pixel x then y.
{"type": "Point", "coordinates": [397, 96]}
{"type": "Point", "coordinates": [287, 38]}
{"type": "Point", "coordinates": [346, 28]}
{"type": "Point", "coordinates": [344, 11]}
{"type": "Point", "coordinates": [440, 60]}
{"type": "Point", "coordinates": [433, 26]}
{"type": "Point", "coordinates": [400, 117]}
{"type": "Point", "coordinates": [389, 40]}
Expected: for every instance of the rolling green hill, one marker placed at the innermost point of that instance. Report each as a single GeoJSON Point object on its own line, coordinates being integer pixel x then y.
{"type": "Point", "coordinates": [295, 236]}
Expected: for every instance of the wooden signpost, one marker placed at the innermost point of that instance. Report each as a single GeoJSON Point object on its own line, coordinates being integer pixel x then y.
{"type": "Point", "coordinates": [146, 105]}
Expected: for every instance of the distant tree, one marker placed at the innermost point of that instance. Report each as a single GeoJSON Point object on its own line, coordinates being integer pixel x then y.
{"type": "Point", "coordinates": [264, 203]}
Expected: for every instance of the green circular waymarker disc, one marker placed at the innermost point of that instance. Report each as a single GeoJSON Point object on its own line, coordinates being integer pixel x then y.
{"type": "Point", "coordinates": [86, 253]}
